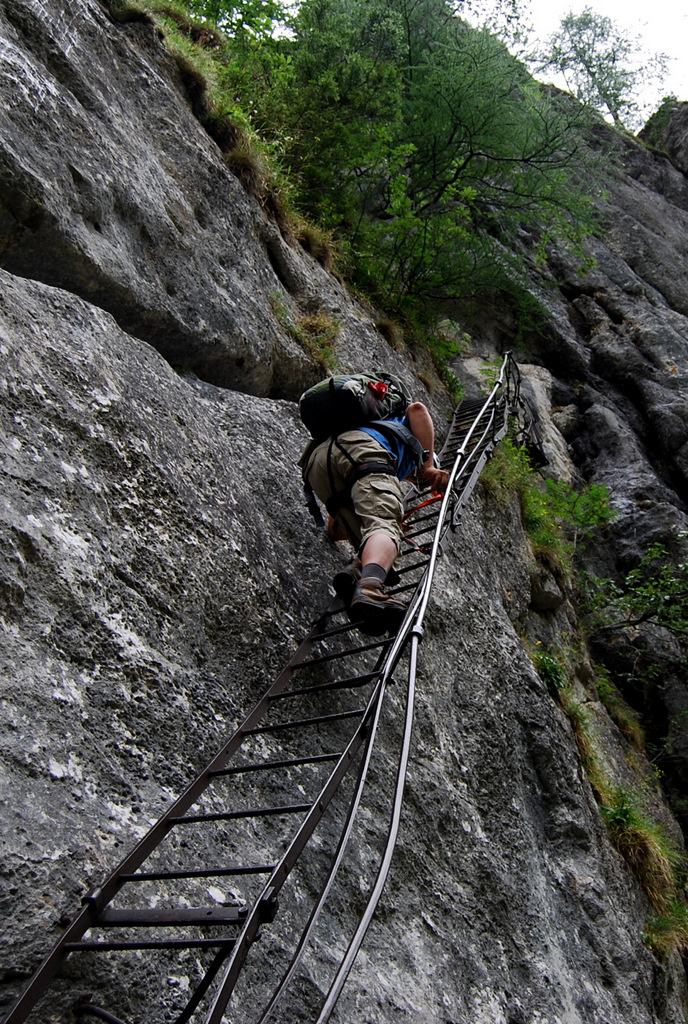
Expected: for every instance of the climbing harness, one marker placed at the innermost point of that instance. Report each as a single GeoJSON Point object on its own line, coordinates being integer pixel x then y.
{"type": "Point", "coordinates": [288, 785]}
{"type": "Point", "coordinates": [339, 497]}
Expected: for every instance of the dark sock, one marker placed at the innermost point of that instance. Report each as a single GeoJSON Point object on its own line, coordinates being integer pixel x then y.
{"type": "Point", "coordinates": [373, 571]}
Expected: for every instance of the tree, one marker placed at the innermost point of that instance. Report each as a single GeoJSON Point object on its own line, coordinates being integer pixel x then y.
{"type": "Point", "coordinates": [424, 144]}
{"type": "Point", "coordinates": [258, 16]}
{"type": "Point", "coordinates": [656, 591]}
{"type": "Point", "coordinates": [601, 64]}
{"type": "Point", "coordinates": [416, 139]}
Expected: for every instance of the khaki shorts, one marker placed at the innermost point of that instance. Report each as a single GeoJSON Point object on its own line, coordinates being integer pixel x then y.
{"type": "Point", "coordinates": [375, 503]}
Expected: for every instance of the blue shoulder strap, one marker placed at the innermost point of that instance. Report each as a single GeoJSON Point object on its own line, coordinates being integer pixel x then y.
{"type": "Point", "coordinates": [395, 429]}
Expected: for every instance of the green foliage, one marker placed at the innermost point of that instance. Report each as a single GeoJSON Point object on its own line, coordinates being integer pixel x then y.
{"type": "Point", "coordinates": [655, 591]}
{"type": "Point", "coordinates": [478, 152]}
{"type": "Point", "coordinates": [419, 140]}
{"type": "Point", "coordinates": [555, 515]}
{"type": "Point", "coordinates": [644, 844]}
{"type": "Point", "coordinates": [602, 65]}
{"type": "Point", "coordinates": [259, 17]}
{"type": "Point", "coordinates": [551, 671]}
{"type": "Point", "coordinates": [658, 589]}
{"type": "Point", "coordinates": [585, 511]}
{"type": "Point", "coordinates": [669, 930]}
{"type": "Point", "coordinates": [508, 472]}
{"type": "Point", "coordinates": [489, 372]}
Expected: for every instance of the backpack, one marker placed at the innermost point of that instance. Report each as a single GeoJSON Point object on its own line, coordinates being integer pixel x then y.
{"type": "Point", "coordinates": [350, 400]}
{"type": "Point", "coordinates": [354, 400]}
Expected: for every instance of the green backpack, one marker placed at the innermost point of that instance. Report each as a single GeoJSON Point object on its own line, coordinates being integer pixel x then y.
{"type": "Point", "coordinates": [351, 400]}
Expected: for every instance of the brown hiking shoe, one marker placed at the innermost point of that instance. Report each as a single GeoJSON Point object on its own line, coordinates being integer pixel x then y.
{"type": "Point", "coordinates": [374, 611]}
{"type": "Point", "coordinates": [345, 581]}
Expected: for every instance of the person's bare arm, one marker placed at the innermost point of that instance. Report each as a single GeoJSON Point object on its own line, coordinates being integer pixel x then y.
{"type": "Point", "coordinates": [422, 428]}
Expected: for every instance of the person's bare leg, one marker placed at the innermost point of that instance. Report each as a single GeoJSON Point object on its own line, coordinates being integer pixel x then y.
{"type": "Point", "coordinates": [375, 611]}
{"type": "Point", "coordinates": [379, 549]}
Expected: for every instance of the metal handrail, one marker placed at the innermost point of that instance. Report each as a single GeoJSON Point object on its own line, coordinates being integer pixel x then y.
{"type": "Point", "coordinates": [411, 628]}
{"type": "Point", "coordinates": [478, 442]}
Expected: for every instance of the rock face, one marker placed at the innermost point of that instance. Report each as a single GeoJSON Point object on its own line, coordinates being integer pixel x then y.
{"type": "Point", "coordinates": [112, 189]}
{"type": "Point", "coordinates": [616, 342]}
{"type": "Point", "coordinates": [157, 563]}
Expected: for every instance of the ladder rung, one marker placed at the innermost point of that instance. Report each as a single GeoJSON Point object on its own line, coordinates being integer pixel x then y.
{"type": "Point", "coordinates": [333, 655]}
{"type": "Point", "coordinates": [417, 565]}
{"type": "Point", "coordinates": [346, 627]}
{"type": "Point", "coordinates": [107, 947]}
{"type": "Point", "coordinates": [401, 590]}
{"type": "Point", "coordinates": [432, 514]}
{"type": "Point", "coordinates": [264, 766]}
{"type": "Point", "coordinates": [419, 533]}
{"type": "Point", "coordinates": [153, 917]}
{"type": "Point", "coordinates": [153, 876]}
{"type": "Point", "coordinates": [351, 683]}
{"type": "Point", "coordinates": [298, 723]}
{"type": "Point", "coordinates": [253, 812]}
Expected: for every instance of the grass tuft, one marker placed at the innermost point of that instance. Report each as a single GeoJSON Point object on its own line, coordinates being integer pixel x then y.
{"type": "Point", "coordinates": [668, 930]}
{"type": "Point", "coordinates": [316, 332]}
{"type": "Point", "coordinates": [392, 332]}
{"type": "Point", "coordinates": [621, 713]}
{"type": "Point", "coordinates": [319, 244]}
{"type": "Point", "coordinates": [249, 168]}
{"type": "Point", "coordinates": [644, 846]}
{"type": "Point", "coordinates": [124, 13]}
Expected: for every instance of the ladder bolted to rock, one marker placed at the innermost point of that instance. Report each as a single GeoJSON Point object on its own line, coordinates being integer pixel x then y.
{"type": "Point", "coordinates": [315, 726]}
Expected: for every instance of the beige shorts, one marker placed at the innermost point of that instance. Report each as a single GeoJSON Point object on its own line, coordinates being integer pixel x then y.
{"type": "Point", "coordinates": [375, 504]}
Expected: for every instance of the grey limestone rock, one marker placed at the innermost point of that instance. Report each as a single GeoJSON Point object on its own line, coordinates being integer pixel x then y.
{"type": "Point", "coordinates": [157, 563]}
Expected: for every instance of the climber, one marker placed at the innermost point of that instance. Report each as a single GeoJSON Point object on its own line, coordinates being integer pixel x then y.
{"type": "Point", "coordinates": [356, 475]}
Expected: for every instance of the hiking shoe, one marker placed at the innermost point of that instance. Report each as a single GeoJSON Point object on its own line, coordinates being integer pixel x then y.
{"type": "Point", "coordinates": [374, 611]}
{"type": "Point", "coordinates": [345, 581]}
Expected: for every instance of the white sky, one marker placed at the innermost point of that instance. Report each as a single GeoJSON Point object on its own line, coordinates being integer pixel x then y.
{"type": "Point", "coordinates": [662, 26]}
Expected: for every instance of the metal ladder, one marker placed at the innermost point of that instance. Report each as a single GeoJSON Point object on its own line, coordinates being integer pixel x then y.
{"type": "Point", "coordinates": [290, 777]}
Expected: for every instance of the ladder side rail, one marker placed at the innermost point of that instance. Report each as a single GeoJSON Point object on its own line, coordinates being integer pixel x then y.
{"type": "Point", "coordinates": [334, 867]}
{"type": "Point", "coordinates": [481, 453]}
{"type": "Point", "coordinates": [98, 898]}
{"type": "Point", "coordinates": [411, 628]}
{"type": "Point", "coordinates": [289, 858]}
{"type": "Point", "coordinates": [392, 835]}
{"type": "Point", "coordinates": [425, 582]}
{"type": "Point", "coordinates": [447, 499]}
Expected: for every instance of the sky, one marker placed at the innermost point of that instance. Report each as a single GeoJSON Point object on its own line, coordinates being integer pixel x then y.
{"type": "Point", "coordinates": [661, 25]}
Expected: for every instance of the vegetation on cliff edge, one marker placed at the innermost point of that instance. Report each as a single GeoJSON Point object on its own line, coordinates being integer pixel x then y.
{"type": "Point", "coordinates": [416, 144]}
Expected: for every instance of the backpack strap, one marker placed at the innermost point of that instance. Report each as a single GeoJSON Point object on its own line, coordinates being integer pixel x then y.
{"type": "Point", "coordinates": [393, 428]}
{"type": "Point", "coordinates": [337, 499]}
